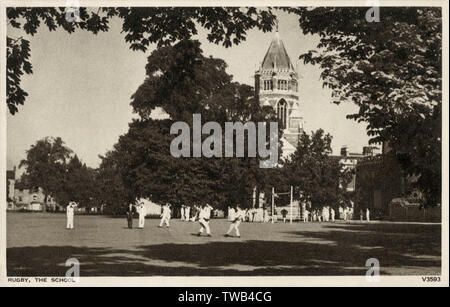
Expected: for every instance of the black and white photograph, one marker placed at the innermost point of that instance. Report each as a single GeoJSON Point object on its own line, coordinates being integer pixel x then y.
{"type": "Point", "coordinates": [300, 142]}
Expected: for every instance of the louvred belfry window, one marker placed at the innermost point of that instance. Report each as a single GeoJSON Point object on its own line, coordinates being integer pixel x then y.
{"type": "Point", "coordinates": [282, 112]}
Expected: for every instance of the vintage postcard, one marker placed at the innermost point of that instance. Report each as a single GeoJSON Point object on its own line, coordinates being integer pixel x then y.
{"type": "Point", "coordinates": [224, 143]}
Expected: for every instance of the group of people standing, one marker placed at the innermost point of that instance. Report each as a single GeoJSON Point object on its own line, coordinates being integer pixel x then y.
{"type": "Point", "coordinates": [326, 214]}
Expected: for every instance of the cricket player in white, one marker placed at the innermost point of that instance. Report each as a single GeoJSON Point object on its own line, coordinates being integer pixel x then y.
{"type": "Point", "coordinates": [70, 211]}
{"type": "Point", "coordinates": [368, 215]}
{"type": "Point", "coordinates": [187, 212]}
{"type": "Point", "coordinates": [165, 216]}
{"type": "Point", "coordinates": [142, 213]}
{"type": "Point", "coordinates": [183, 210]}
{"type": "Point", "coordinates": [203, 218]}
{"type": "Point", "coordinates": [239, 216]}
{"type": "Point", "coordinates": [333, 213]}
{"type": "Point", "coordinates": [305, 216]}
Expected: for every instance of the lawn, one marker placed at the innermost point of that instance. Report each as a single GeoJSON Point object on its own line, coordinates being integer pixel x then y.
{"type": "Point", "coordinates": [39, 245]}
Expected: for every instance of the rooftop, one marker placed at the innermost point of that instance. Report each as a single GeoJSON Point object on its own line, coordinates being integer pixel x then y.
{"type": "Point", "coordinates": [276, 56]}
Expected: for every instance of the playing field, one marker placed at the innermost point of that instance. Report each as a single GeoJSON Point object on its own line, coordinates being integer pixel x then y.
{"type": "Point", "coordinates": [39, 245]}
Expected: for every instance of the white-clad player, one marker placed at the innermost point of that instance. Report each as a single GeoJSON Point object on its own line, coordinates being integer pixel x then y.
{"type": "Point", "coordinates": [165, 215]}
{"type": "Point", "coordinates": [239, 216]}
{"type": "Point", "coordinates": [70, 212]}
{"type": "Point", "coordinates": [142, 213]}
{"type": "Point", "coordinates": [203, 218]}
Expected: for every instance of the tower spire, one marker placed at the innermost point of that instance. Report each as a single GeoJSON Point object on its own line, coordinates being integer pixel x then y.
{"type": "Point", "coordinates": [277, 35]}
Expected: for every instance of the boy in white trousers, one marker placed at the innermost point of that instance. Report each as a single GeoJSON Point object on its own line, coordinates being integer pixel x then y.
{"type": "Point", "coordinates": [187, 212]}
{"type": "Point", "coordinates": [203, 218]}
{"type": "Point", "coordinates": [183, 213]}
{"type": "Point", "coordinates": [239, 216]}
{"type": "Point", "coordinates": [142, 213]}
{"type": "Point", "coordinates": [165, 216]}
{"type": "Point", "coordinates": [70, 211]}
{"type": "Point", "coordinates": [305, 216]}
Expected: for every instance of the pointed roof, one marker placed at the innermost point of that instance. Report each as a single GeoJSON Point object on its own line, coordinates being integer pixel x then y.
{"type": "Point", "coordinates": [276, 56]}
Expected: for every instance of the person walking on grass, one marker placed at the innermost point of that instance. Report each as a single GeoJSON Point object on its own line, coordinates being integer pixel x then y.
{"type": "Point", "coordinates": [236, 219]}
{"type": "Point", "coordinates": [165, 216]}
{"type": "Point", "coordinates": [203, 218]}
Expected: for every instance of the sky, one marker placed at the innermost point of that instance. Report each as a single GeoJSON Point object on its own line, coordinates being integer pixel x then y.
{"type": "Point", "coordinates": [82, 83]}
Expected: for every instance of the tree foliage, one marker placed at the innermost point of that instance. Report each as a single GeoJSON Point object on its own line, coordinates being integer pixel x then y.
{"type": "Point", "coordinates": [79, 184]}
{"type": "Point", "coordinates": [181, 81]}
{"type": "Point", "coordinates": [45, 165]}
{"type": "Point", "coordinates": [392, 70]}
{"type": "Point", "coordinates": [111, 191]}
{"type": "Point", "coordinates": [52, 166]}
{"type": "Point", "coordinates": [317, 177]}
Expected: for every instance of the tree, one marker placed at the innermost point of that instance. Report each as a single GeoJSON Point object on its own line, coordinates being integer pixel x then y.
{"type": "Point", "coordinates": [392, 70]}
{"type": "Point", "coordinates": [142, 25]}
{"type": "Point", "coordinates": [181, 81]}
{"type": "Point", "coordinates": [79, 184]}
{"type": "Point", "coordinates": [317, 178]}
{"type": "Point", "coordinates": [46, 165]}
{"type": "Point", "coordinates": [111, 191]}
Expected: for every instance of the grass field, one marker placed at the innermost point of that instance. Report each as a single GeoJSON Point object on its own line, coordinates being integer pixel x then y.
{"type": "Point", "coordinates": [39, 245]}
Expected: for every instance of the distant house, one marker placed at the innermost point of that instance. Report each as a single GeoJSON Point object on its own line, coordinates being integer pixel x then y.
{"type": "Point", "coordinates": [19, 198]}
{"type": "Point", "coordinates": [33, 200]}
{"type": "Point", "coordinates": [349, 161]}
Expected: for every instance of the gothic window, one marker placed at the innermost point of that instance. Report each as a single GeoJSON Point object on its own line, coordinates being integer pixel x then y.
{"type": "Point", "coordinates": [282, 112]}
{"type": "Point", "coordinates": [282, 85]}
{"type": "Point", "coordinates": [268, 85]}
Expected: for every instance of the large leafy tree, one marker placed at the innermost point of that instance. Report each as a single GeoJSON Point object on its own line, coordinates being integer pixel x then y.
{"type": "Point", "coordinates": [148, 169]}
{"type": "Point", "coordinates": [392, 70]}
{"type": "Point", "coordinates": [181, 81]}
{"type": "Point", "coordinates": [110, 188]}
{"type": "Point", "coordinates": [52, 166]}
{"type": "Point", "coordinates": [142, 25]}
{"type": "Point", "coordinates": [79, 184]}
{"type": "Point", "coordinates": [317, 177]}
{"type": "Point", "coordinates": [46, 165]}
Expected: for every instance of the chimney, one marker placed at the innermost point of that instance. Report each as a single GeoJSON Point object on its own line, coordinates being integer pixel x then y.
{"type": "Point", "coordinates": [367, 151]}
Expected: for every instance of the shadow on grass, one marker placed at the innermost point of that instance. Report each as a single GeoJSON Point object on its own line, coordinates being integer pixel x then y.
{"type": "Point", "coordinates": [336, 250]}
